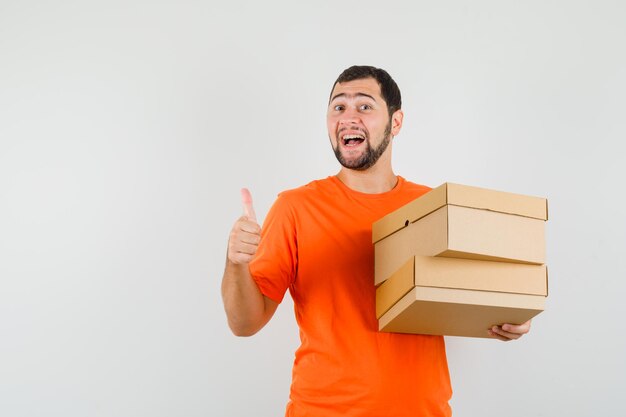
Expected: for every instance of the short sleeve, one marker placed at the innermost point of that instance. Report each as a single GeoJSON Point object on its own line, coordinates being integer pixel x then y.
{"type": "Point", "coordinates": [275, 264]}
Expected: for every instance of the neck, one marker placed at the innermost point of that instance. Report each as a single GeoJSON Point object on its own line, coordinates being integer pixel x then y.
{"type": "Point", "coordinates": [375, 180]}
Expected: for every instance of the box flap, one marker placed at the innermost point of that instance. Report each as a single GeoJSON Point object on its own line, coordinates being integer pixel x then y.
{"type": "Point", "coordinates": [459, 195]}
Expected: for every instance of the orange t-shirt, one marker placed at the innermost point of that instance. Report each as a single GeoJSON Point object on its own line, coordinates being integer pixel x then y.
{"type": "Point", "coordinates": [317, 242]}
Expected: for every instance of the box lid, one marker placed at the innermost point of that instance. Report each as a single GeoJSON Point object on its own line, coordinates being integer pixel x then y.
{"type": "Point", "coordinates": [459, 195]}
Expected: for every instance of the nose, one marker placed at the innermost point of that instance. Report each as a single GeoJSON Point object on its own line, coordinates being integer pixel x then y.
{"type": "Point", "coordinates": [349, 117]}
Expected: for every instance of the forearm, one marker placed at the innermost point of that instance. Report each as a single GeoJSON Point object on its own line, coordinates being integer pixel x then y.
{"type": "Point", "coordinates": [247, 309]}
{"type": "Point", "coordinates": [243, 301]}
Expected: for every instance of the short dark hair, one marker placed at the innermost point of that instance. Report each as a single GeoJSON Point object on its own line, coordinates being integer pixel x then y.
{"type": "Point", "coordinates": [388, 88]}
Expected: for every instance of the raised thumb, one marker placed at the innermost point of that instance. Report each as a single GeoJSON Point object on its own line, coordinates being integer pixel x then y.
{"type": "Point", "coordinates": [246, 200]}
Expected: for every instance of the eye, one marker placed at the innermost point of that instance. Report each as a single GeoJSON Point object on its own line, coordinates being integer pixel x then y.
{"type": "Point", "coordinates": [338, 107]}
{"type": "Point", "coordinates": [365, 107]}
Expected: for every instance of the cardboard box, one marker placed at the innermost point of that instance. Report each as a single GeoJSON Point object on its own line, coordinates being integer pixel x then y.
{"type": "Point", "coordinates": [463, 274]}
{"type": "Point", "coordinates": [461, 222]}
{"type": "Point", "coordinates": [458, 297]}
{"type": "Point", "coordinates": [456, 312]}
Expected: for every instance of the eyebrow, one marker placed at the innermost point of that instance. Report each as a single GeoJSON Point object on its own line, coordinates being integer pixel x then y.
{"type": "Point", "coordinates": [351, 95]}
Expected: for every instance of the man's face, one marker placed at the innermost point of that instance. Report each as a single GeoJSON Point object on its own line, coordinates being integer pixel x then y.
{"type": "Point", "coordinates": [359, 126]}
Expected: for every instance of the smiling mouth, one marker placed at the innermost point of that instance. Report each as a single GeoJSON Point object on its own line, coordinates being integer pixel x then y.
{"type": "Point", "coordinates": [352, 140]}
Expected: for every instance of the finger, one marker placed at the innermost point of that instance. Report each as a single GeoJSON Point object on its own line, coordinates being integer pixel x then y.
{"type": "Point", "coordinates": [249, 226]}
{"type": "Point", "coordinates": [497, 336]}
{"type": "Point", "coordinates": [245, 248]}
{"type": "Point", "coordinates": [246, 199]}
{"type": "Point", "coordinates": [241, 258]}
{"type": "Point", "coordinates": [241, 252]}
{"type": "Point", "coordinates": [251, 238]}
{"type": "Point", "coordinates": [503, 333]}
{"type": "Point", "coordinates": [238, 237]}
{"type": "Point", "coordinates": [519, 329]}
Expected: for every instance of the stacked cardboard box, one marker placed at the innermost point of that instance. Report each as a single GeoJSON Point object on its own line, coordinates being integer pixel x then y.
{"type": "Point", "coordinates": [459, 260]}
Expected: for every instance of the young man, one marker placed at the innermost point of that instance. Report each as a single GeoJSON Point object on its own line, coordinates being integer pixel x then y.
{"type": "Point", "coordinates": [316, 242]}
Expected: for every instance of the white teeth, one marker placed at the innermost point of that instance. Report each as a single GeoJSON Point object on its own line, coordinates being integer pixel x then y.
{"type": "Point", "coordinates": [348, 137]}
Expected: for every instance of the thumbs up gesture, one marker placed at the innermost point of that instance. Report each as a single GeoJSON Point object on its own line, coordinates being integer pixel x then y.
{"type": "Point", "coordinates": [245, 234]}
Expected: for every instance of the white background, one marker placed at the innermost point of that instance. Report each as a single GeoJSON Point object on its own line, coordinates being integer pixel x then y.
{"type": "Point", "coordinates": [127, 129]}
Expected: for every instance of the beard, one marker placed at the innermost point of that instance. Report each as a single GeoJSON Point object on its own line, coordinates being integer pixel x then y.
{"type": "Point", "coordinates": [369, 157]}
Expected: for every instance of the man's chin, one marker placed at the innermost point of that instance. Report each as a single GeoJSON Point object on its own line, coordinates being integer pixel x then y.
{"type": "Point", "coordinates": [357, 160]}
{"type": "Point", "coordinates": [360, 164]}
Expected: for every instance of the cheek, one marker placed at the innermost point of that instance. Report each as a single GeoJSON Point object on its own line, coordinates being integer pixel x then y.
{"type": "Point", "coordinates": [331, 125]}
{"type": "Point", "coordinates": [380, 124]}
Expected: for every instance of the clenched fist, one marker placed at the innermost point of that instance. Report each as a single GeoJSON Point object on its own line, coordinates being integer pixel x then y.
{"type": "Point", "coordinates": [245, 234]}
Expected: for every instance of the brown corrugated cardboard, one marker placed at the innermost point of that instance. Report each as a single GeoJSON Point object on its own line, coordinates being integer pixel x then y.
{"type": "Point", "coordinates": [456, 312]}
{"type": "Point", "coordinates": [459, 260]}
{"type": "Point", "coordinates": [462, 232]}
{"type": "Point", "coordinates": [463, 274]}
{"type": "Point", "coordinates": [460, 195]}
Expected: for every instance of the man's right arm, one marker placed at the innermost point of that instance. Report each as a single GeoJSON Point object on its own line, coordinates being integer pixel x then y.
{"type": "Point", "coordinates": [247, 309]}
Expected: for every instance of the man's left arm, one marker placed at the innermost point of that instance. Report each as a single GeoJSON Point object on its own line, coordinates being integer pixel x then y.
{"type": "Point", "coordinates": [508, 332]}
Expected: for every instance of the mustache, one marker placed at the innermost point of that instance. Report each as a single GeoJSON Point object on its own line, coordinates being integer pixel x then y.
{"type": "Point", "coordinates": [355, 129]}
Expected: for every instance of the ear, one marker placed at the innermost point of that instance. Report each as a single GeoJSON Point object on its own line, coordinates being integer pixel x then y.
{"type": "Point", "coordinates": [396, 122]}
